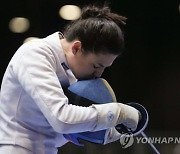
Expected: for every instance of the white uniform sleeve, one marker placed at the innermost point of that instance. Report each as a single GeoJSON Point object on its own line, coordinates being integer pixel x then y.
{"type": "Point", "coordinates": [36, 72]}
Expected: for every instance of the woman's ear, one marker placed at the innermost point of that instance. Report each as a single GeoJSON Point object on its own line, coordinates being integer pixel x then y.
{"type": "Point", "coordinates": [76, 46]}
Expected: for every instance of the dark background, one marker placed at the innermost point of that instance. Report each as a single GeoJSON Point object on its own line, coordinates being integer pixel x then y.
{"type": "Point", "coordinates": [149, 70]}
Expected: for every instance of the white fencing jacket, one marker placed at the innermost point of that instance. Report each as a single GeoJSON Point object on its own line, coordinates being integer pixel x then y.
{"type": "Point", "coordinates": [34, 112]}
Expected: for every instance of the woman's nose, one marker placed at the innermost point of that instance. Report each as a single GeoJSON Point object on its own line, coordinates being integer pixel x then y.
{"type": "Point", "coordinates": [98, 72]}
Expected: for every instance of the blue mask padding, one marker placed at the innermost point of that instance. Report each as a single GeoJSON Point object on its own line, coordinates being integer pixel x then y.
{"type": "Point", "coordinates": [94, 90]}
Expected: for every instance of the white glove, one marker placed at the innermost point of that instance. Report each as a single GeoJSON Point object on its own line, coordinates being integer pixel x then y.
{"type": "Point", "coordinates": [129, 116]}
{"type": "Point", "coordinates": [111, 135]}
{"type": "Point", "coordinates": [112, 114]}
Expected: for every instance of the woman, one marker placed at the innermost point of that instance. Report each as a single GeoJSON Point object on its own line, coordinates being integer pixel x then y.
{"type": "Point", "coordinates": [34, 111]}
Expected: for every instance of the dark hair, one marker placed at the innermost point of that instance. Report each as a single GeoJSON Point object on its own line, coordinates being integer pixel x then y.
{"type": "Point", "coordinates": [98, 29]}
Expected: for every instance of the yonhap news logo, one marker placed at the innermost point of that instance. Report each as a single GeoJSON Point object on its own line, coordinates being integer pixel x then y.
{"type": "Point", "coordinates": [158, 140]}
{"type": "Point", "coordinates": [127, 140]}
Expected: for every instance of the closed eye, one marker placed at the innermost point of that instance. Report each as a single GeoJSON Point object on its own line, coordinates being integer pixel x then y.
{"type": "Point", "coordinates": [96, 66]}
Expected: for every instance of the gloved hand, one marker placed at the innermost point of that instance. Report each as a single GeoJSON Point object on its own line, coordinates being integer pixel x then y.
{"type": "Point", "coordinates": [129, 116]}
{"type": "Point", "coordinates": [112, 114]}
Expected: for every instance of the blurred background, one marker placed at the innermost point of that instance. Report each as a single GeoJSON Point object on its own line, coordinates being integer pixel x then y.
{"type": "Point", "coordinates": [148, 72]}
